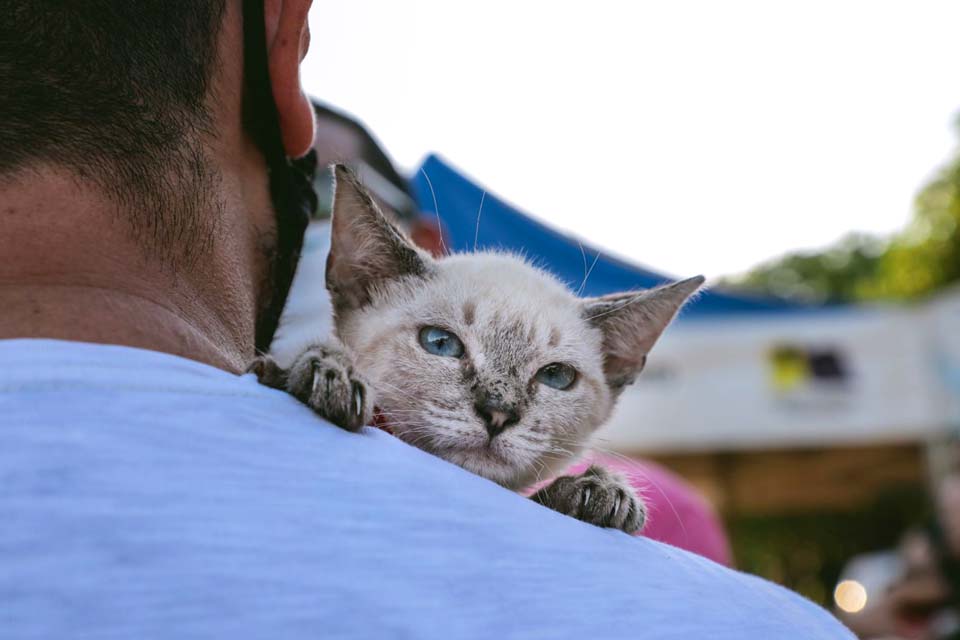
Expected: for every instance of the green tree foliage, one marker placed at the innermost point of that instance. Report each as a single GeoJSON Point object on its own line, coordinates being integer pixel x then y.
{"type": "Point", "coordinates": [918, 260]}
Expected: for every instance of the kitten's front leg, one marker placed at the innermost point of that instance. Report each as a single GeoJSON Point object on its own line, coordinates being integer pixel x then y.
{"type": "Point", "coordinates": [596, 496]}
{"type": "Point", "coordinates": [324, 379]}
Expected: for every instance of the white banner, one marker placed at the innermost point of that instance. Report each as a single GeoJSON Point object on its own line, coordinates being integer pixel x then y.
{"type": "Point", "coordinates": [849, 375]}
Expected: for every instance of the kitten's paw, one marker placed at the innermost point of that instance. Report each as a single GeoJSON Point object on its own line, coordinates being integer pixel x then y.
{"type": "Point", "coordinates": [596, 496]}
{"type": "Point", "coordinates": [324, 379]}
{"type": "Point", "coordinates": [268, 372]}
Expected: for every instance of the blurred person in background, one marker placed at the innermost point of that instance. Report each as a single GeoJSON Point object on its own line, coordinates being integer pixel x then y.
{"type": "Point", "coordinates": [922, 597]}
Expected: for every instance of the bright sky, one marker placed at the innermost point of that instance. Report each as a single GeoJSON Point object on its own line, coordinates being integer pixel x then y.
{"type": "Point", "coordinates": [692, 137]}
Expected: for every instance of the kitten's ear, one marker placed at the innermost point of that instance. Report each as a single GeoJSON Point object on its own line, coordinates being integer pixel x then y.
{"type": "Point", "coordinates": [366, 249]}
{"type": "Point", "coordinates": [631, 322]}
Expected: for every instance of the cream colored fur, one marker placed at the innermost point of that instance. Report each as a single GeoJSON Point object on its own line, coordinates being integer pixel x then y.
{"type": "Point", "coordinates": [512, 318]}
{"type": "Point", "coordinates": [516, 310]}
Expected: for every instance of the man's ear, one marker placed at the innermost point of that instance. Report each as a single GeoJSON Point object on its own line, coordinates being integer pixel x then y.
{"type": "Point", "coordinates": [288, 39]}
{"type": "Point", "coordinates": [366, 249]}
{"type": "Point", "coordinates": [631, 322]}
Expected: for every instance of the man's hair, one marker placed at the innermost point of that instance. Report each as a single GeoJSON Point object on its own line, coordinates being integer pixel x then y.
{"type": "Point", "coordinates": [117, 92]}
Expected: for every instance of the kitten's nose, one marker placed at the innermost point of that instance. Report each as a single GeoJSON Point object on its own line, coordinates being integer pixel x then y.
{"type": "Point", "coordinates": [496, 417]}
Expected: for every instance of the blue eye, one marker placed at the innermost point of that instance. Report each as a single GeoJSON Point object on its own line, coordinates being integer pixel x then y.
{"type": "Point", "coordinates": [440, 342]}
{"type": "Point", "coordinates": [557, 375]}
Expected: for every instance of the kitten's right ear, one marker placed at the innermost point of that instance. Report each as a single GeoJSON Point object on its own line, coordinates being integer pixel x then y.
{"type": "Point", "coordinates": [366, 249]}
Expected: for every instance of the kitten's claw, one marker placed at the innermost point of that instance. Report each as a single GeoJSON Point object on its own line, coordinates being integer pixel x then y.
{"type": "Point", "coordinates": [323, 378]}
{"type": "Point", "coordinates": [358, 396]}
{"type": "Point", "coordinates": [596, 496]}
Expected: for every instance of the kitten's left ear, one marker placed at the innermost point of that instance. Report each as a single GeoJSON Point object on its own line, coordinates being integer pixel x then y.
{"type": "Point", "coordinates": [631, 322]}
{"type": "Point", "coordinates": [366, 249]}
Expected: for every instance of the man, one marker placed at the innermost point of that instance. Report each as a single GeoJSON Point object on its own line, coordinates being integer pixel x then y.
{"type": "Point", "coordinates": [148, 490]}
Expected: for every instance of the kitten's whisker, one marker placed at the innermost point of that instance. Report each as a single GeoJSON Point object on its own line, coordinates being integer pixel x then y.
{"type": "Point", "coordinates": [641, 473]}
{"type": "Point", "coordinates": [436, 210]}
{"type": "Point", "coordinates": [476, 233]}
{"type": "Point", "coordinates": [614, 309]}
{"type": "Point", "coordinates": [439, 434]}
{"type": "Point", "coordinates": [399, 411]}
{"type": "Point", "coordinates": [412, 426]}
{"type": "Point", "coordinates": [583, 254]}
{"type": "Point", "coordinates": [384, 383]}
{"type": "Point", "coordinates": [415, 442]}
{"type": "Point", "coordinates": [539, 473]}
{"type": "Point", "coordinates": [587, 274]}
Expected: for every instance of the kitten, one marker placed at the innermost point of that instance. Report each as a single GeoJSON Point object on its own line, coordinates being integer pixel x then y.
{"type": "Point", "coordinates": [480, 359]}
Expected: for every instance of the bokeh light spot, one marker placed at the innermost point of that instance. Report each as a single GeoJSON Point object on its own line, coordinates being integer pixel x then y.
{"type": "Point", "coordinates": [850, 596]}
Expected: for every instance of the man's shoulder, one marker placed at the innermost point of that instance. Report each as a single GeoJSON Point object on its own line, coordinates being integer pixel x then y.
{"type": "Point", "coordinates": [197, 486]}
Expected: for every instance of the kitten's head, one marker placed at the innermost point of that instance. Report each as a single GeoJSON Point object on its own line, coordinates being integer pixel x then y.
{"type": "Point", "coordinates": [480, 358]}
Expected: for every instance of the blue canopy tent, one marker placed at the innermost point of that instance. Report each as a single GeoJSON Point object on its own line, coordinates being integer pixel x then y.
{"type": "Point", "coordinates": [754, 372]}
{"type": "Point", "coordinates": [770, 374]}
{"type": "Point", "coordinates": [443, 191]}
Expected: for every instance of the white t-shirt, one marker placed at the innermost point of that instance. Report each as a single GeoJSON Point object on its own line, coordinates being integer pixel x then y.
{"type": "Point", "coordinates": [308, 315]}
{"type": "Point", "coordinates": [148, 496]}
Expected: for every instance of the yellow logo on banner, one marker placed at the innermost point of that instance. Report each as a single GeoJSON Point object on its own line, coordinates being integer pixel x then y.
{"type": "Point", "coordinates": [790, 368]}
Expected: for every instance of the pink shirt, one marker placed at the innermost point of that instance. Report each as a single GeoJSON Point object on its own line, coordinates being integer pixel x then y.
{"type": "Point", "coordinates": [676, 512]}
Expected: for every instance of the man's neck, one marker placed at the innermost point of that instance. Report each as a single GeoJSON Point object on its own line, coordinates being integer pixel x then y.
{"type": "Point", "coordinates": [71, 270]}
{"type": "Point", "coordinates": [107, 316]}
